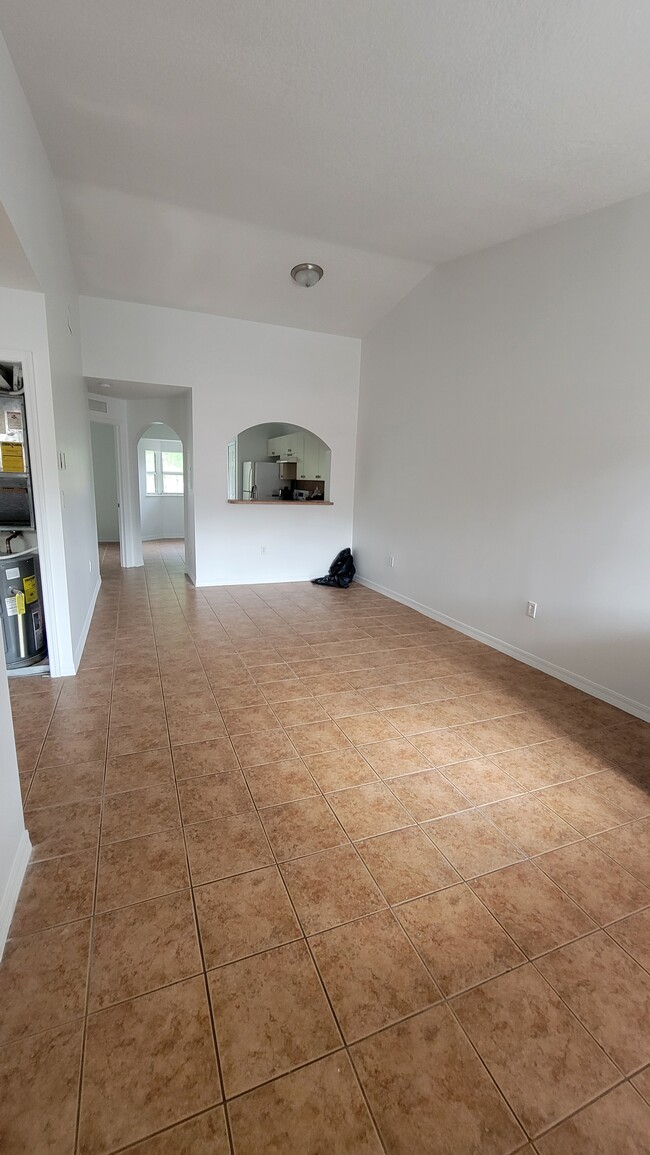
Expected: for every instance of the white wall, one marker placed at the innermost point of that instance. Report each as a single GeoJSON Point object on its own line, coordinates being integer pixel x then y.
{"type": "Point", "coordinates": [161, 516]}
{"type": "Point", "coordinates": [241, 374]}
{"type": "Point", "coordinates": [512, 388]}
{"type": "Point", "coordinates": [30, 199]}
{"type": "Point", "coordinates": [105, 480]}
{"type": "Point", "coordinates": [14, 841]}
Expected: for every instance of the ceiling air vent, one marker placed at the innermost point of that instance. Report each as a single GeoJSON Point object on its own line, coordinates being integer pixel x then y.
{"type": "Point", "coordinates": [98, 406]}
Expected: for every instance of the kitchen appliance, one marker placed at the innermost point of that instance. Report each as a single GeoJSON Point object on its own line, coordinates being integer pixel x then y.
{"type": "Point", "coordinates": [259, 480]}
{"type": "Point", "coordinates": [301, 495]}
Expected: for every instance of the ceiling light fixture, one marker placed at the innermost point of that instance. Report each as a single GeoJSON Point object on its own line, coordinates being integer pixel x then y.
{"type": "Point", "coordinates": [306, 275]}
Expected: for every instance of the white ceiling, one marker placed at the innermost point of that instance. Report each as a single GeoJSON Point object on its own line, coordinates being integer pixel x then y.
{"type": "Point", "coordinates": [375, 135]}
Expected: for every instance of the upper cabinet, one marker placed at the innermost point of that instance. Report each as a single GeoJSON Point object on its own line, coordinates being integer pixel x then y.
{"type": "Point", "coordinates": [289, 447]}
{"type": "Point", "coordinates": [315, 460]}
{"type": "Point", "coordinates": [309, 452]}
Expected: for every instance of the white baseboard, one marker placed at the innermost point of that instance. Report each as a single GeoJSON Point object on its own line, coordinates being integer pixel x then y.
{"type": "Point", "coordinates": [589, 687]}
{"type": "Point", "coordinates": [12, 889]}
{"type": "Point", "coordinates": [86, 626]}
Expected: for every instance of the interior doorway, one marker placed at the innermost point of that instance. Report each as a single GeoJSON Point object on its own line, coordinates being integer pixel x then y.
{"type": "Point", "coordinates": [161, 484]}
{"type": "Point", "coordinates": [105, 472]}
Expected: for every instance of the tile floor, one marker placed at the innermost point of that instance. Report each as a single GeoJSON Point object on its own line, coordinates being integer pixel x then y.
{"type": "Point", "coordinates": [313, 874]}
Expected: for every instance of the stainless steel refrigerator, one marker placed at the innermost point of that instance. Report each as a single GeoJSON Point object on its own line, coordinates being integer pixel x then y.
{"type": "Point", "coordinates": [265, 475]}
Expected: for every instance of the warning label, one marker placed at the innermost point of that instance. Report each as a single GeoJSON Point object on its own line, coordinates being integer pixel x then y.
{"type": "Point", "coordinates": [31, 589]}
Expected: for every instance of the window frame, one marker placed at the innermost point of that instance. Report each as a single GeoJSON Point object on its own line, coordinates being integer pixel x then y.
{"type": "Point", "coordinates": [159, 473]}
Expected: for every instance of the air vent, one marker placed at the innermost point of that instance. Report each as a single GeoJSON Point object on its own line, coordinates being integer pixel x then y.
{"type": "Point", "coordinates": [98, 406]}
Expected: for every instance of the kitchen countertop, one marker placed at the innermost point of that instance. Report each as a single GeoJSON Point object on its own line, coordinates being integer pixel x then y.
{"type": "Point", "coordinates": [274, 501]}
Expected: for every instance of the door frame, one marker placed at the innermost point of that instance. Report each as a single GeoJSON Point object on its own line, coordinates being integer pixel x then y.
{"type": "Point", "coordinates": [121, 454]}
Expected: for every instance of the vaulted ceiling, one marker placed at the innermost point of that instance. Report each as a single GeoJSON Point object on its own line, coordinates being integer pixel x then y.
{"type": "Point", "coordinates": [203, 147]}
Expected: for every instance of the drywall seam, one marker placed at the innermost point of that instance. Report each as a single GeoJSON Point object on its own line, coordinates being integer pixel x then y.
{"type": "Point", "coordinates": [86, 626]}
{"type": "Point", "coordinates": [580, 683]}
{"type": "Point", "coordinates": [12, 889]}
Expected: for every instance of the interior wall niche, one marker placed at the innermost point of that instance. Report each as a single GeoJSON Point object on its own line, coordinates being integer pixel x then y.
{"type": "Point", "coordinates": [279, 460]}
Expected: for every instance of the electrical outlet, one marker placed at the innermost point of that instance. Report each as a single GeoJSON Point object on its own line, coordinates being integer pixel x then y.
{"type": "Point", "coordinates": [262, 549]}
{"type": "Point", "coordinates": [531, 609]}
{"type": "Point", "coordinates": [391, 561]}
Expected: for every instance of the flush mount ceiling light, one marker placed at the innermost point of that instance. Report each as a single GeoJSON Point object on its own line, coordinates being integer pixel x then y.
{"type": "Point", "coordinates": [306, 275]}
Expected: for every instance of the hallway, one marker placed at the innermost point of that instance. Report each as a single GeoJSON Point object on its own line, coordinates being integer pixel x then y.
{"type": "Point", "coordinates": [309, 854]}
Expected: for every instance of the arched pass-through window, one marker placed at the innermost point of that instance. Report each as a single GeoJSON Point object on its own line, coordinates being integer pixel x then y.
{"type": "Point", "coordinates": [278, 461]}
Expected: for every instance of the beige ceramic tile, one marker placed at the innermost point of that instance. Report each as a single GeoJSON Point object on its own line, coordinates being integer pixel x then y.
{"type": "Point", "coordinates": [132, 771]}
{"type": "Point", "coordinates": [39, 1090]}
{"type": "Point", "coordinates": [55, 891]}
{"type": "Point", "coordinates": [339, 769]}
{"type": "Point", "coordinates": [149, 1062]}
{"type": "Point", "coordinates": [302, 827]}
{"type": "Point", "coordinates": [367, 810]}
{"type": "Point", "coordinates": [390, 759]}
{"type": "Point", "coordinates": [137, 812]}
{"type": "Point", "coordinates": [226, 846]}
{"type": "Point", "coordinates": [214, 796]}
{"type": "Point", "coordinates": [617, 1122]}
{"type": "Point", "coordinates": [595, 881]}
{"type": "Point", "coordinates": [427, 794]}
{"type": "Point", "coordinates": [542, 1059]}
{"type": "Point", "coordinates": [196, 758]}
{"type": "Point", "coordinates": [472, 844]}
{"type": "Point", "coordinates": [629, 846]}
{"type": "Point", "coordinates": [138, 948]}
{"type": "Point", "coordinates": [64, 784]}
{"type": "Point", "coordinates": [609, 992]}
{"type": "Point", "coordinates": [407, 1071]}
{"type": "Point", "coordinates": [283, 1022]}
{"type": "Point", "coordinates": [280, 782]}
{"type": "Point", "coordinates": [530, 824]}
{"type": "Point", "coordinates": [243, 915]}
{"type": "Point", "coordinates": [141, 868]}
{"type": "Point", "coordinates": [267, 746]}
{"type": "Point", "coordinates": [405, 864]}
{"type": "Point", "coordinates": [633, 933]}
{"type": "Point", "coordinates": [317, 738]}
{"type": "Point", "coordinates": [372, 974]}
{"type": "Point", "coordinates": [43, 980]}
{"type": "Point", "coordinates": [534, 911]}
{"type": "Point", "coordinates": [441, 925]}
{"type": "Point", "coordinates": [317, 1108]}
{"type": "Point", "coordinates": [581, 806]}
{"type": "Point", "coordinates": [331, 888]}
{"type": "Point", "coordinates": [205, 1134]}
{"type": "Point", "coordinates": [57, 830]}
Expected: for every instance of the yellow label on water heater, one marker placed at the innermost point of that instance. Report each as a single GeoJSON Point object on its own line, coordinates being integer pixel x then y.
{"type": "Point", "coordinates": [31, 589]}
{"type": "Point", "coordinates": [20, 603]}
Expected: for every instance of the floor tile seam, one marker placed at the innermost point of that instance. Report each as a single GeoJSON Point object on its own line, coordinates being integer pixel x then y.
{"type": "Point", "coordinates": [562, 887]}
{"type": "Point", "coordinates": [532, 794]}
{"type": "Point", "coordinates": [592, 838]}
{"type": "Point", "coordinates": [124, 1150]}
{"type": "Point", "coordinates": [531, 1138]}
{"type": "Point", "coordinates": [199, 943]}
{"type": "Point", "coordinates": [533, 962]}
{"type": "Point", "coordinates": [82, 1058]}
{"type": "Point", "coordinates": [554, 786]}
{"type": "Point", "coordinates": [626, 1080]}
{"type": "Point", "coordinates": [626, 950]}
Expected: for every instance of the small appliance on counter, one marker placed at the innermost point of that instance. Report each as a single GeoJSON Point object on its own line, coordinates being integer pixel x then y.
{"type": "Point", "coordinates": [301, 495]}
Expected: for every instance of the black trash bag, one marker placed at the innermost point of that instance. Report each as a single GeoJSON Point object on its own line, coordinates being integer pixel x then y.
{"type": "Point", "coordinates": [341, 571]}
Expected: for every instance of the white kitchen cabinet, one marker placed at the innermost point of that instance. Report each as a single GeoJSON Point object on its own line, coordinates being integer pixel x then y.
{"type": "Point", "coordinates": [314, 465]}
{"type": "Point", "coordinates": [288, 447]}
